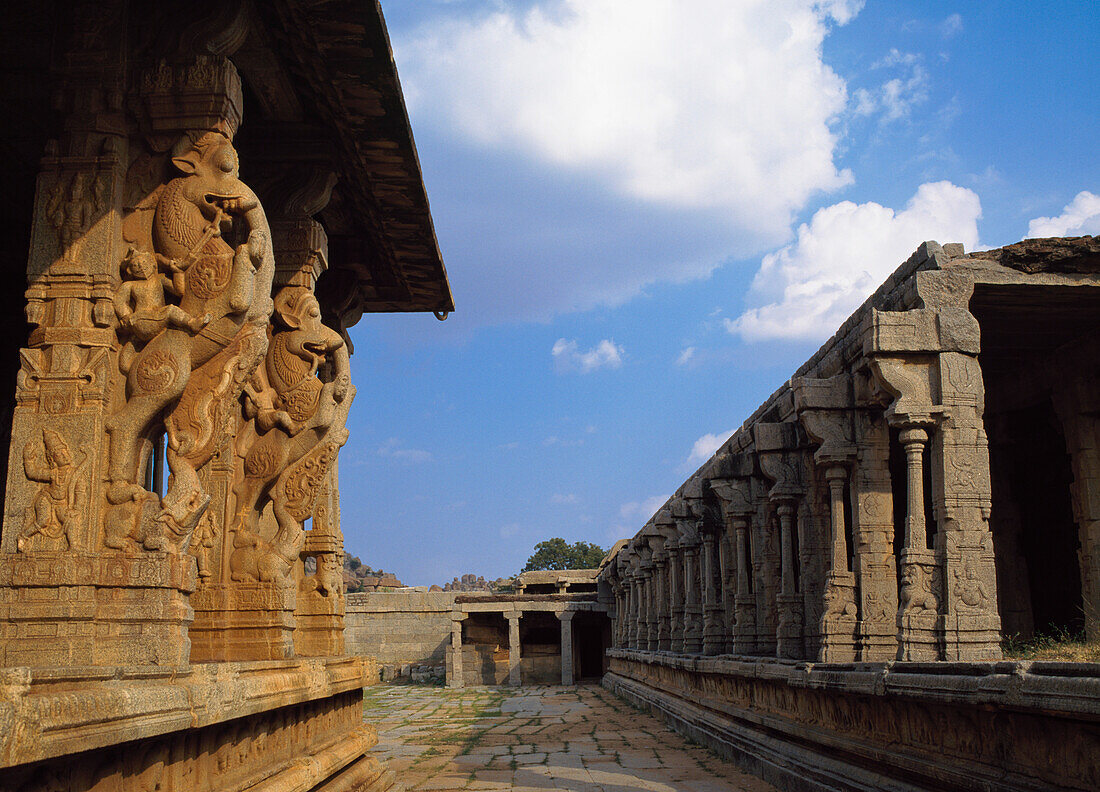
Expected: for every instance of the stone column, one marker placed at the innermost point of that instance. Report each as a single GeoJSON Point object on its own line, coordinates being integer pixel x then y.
{"type": "Point", "coordinates": [693, 617]}
{"type": "Point", "coordinates": [566, 618]}
{"type": "Point", "coordinates": [838, 622]}
{"type": "Point", "coordinates": [744, 638]}
{"type": "Point", "coordinates": [648, 640]}
{"type": "Point", "coordinates": [918, 609]}
{"type": "Point", "coordinates": [455, 678]}
{"type": "Point", "coordinates": [676, 597]}
{"type": "Point", "coordinates": [632, 609]}
{"type": "Point", "coordinates": [789, 632]}
{"type": "Point", "coordinates": [515, 650]}
{"type": "Point", "coordinates": [664, 613]}
{"type": "Point", "coordinates": [726, 570]}
{"type": "Point", "coordinates": [713, 632]}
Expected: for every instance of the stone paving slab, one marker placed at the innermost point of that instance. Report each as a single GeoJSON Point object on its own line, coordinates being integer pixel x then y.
{"type": "Point", "coordinates": [533, 739]}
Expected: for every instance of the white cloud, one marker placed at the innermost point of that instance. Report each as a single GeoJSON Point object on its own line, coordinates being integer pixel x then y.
{"type": "Point", "coordinates": [686, 354]}
{"type": "Point", "coordinates": [563, 500]}
{"type": "Point", "coordinates": [951, 26]}
{"type": "Point", "coordinates": [843, 254]}
{"type": "Point", "coordinates": [634, 515]}
{"type": "Point", "coordinates": [638, 142]}
{"type": "Point", "coordinates": [1080, 217]}
{"type": "Point", "coordinates": [392, 449]}
{"type": "Point", "coordinates": [704, 448]}
{"type": "Point", "coordinates": [569, 357]}
{"type": "Point", "coordinates": [895, 98]}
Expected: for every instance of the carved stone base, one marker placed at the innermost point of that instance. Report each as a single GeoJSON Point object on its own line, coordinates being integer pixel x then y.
{"type": "Point", "coordinates": [319, 634]}
{"type": "Point", "coordinates": [243, 621]}
{"type": "Point", "coordinates": [107, 610]}
{"type": "Point", "coordinates": [693, 629]}
{"type": "Point", "coordinates": [714, 638]}
{"type": "Point", "coordinates": [294, 726]}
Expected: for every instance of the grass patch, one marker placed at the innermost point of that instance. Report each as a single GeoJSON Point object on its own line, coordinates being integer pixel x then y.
{"type": "Point", "coordinates": [1056, 644]}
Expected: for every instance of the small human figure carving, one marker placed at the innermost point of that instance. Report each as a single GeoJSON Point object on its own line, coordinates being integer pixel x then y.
{"type": "Point", "coordinates": [60, 503]}
{"type": "Point", "coordinates": [141, 305]}
{"type": "Point", "coordinates": [969, 588]}
{"type": "Point", "coordinates": [202, 543]}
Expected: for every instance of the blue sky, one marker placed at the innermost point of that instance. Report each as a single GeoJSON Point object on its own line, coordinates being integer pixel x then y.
{"type": "Point", "coordinates": [651, 211]}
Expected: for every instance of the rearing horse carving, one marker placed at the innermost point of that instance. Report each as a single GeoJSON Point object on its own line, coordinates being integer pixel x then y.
{"type": "Point", "coordinates": [190, 378]}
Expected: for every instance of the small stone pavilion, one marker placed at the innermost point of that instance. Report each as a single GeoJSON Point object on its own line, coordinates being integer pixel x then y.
{"type": "Point", "coordinates": [927, 483]}
{"type": "Point", "coordinates": [210, 193]}
{"type": "Point", "coordinates": [554, 628]}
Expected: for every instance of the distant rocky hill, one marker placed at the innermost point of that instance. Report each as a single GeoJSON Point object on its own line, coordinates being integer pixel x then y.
{"type": "Point", "coordinates": [477, 583]}
{"type": "Point", "coordinates": [360, 577]}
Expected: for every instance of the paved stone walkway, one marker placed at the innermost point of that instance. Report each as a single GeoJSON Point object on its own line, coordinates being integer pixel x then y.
{"type": "Point", "coordinates": [580, 739]}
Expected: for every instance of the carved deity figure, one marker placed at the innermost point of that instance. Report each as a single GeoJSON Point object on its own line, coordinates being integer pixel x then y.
{"type": "Point", "coordinates": [202, 543]}
{"type": "Point", "coordinates": [294, 428]}
{"type": "Point", "coordinates": [327, 581]}
{"type": "Point", "coordinates": [190, 370]}
{"type": "Point", "coordinates": [141, 307]}
{"type": "Point", "coordinates": [969, 588]}
{"type": "Point", "coordinates": [60, 502]}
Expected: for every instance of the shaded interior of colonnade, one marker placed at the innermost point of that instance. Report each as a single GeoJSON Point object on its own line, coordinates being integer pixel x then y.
{"type": "Point", "coordinates": [485, 649]}
{"type": "Point", "coordinates": [591, 639]}
{"type": "Point", "coordinates": [1030, 337]}
{"type": "Point", "coordinates": [540, 648]}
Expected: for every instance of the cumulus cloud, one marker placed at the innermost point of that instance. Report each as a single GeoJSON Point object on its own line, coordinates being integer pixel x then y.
{"type": "Point", "coordinates": [569, 357]}
{"type": "Point", "coordinates": [633, 515]}
{"type": "Point", "coordinates": [843, 254]}
{"type": "Point", "coordinates": [693, 131]}
{"type": "Point", "coordinates": [558, 499]}
{"type": "Point", "coordinates": [393, 449]}
{"type": "Point", "coordinates": [1080, 217]}
{"type": "Point", "coordinates": [704, 448]}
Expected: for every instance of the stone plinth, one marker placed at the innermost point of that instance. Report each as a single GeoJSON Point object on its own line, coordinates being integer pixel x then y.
{"type": "Point", "coordinates": [286, 725]}
{"type": "Point", "coordinates": [78, 610]}
{"type": "Point", "coordinates": [243, 621]}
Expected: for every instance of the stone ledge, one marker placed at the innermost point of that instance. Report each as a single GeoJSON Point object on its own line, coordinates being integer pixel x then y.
{"type": "Point", "coordinates": [46, 713]}
{"type": "Point", "coordinates": [1069, 688]}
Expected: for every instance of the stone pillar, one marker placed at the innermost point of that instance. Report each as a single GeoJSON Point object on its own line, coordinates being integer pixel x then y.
{"type": "Point", "coordinates": [713, 631]}
{"type": "Point", "coordinates": [693, 616]}
{"type": "Point", "coordinates": [789, 632]}
{"type": "Point", "coordinates": [838, 622]}
{"type": "Point", "coordinates": [676, 597]}
{"type": "Point", "coordinates": [726, 570]}
{"type": "Point", "coordinates": [664, 612]}
{"type": "Point", "coordinates": [648, 640]}
{"type": "Point", "coordinates": [918, 608]}
{"type": "Point", "coordinates": [515, 650]}
{"type": "Point", "coordinates": [631, 609]}
{"type": "Point", "coordinates": [744, 638]}
{"type": "Point", "coordinates": [455, 678]}
{"type": "Point", "coordinates": [566, 618]}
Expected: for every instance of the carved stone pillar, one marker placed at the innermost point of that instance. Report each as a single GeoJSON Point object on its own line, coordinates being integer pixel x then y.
{"type": "Point", "coordinates": [926, 360]}
{"type": "Point", "coordinates": [693, 615]}
{"type": "Point", "coordinates": [648, 637]}
{"type": "Point", "coordinates": [664, 637]}
{"type": "Point", "coordinates": [713, 627]}
{"type": "Point", "coordinates": [839, 621]}
{"type": "Point", "coordinates": [735, 495]}
{"type": "Point", "coordinates": [726, 571]}
{"type": "Point", "coordinates": [918, 611]}
{"type": "Point", "coordinates": [789, 633]}
{"type": "Point", "coordinates": [676, 596]}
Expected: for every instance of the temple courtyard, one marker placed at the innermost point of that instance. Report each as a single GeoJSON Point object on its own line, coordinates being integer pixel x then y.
{"type": "Point", "coordinates": [580, 739]}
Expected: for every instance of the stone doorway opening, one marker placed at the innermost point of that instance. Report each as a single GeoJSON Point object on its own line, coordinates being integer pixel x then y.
{"type": "Point", "coordinates": [485, 649]}
{"type": "Point", "coordinates": [591, 639]}
{"type": "Point", "coordinates": [1039, 364]}
{"type": "Point", "coordinates": [540, 648]}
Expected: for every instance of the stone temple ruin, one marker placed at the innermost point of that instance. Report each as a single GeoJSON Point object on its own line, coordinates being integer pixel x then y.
{"type": "Point", "coordinates": [924, 484]}
{"type": "Point", "coordinates": [212, 193]}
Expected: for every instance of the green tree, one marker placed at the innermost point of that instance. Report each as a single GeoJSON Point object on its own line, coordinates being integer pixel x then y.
{"type": "Point", "coordinates": [556, 553]}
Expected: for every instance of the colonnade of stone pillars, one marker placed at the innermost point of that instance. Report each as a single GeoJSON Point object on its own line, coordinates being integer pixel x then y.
{"type": "Point", "coordinates": [783, 544]}
{"type": "Point", "coordinates": [455, 667]}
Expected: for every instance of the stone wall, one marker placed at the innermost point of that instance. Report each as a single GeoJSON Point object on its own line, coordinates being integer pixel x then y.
{"type": "Point", "coordinates": [898, 726]}
{"type": "Point", "coordinates": [400, 628]}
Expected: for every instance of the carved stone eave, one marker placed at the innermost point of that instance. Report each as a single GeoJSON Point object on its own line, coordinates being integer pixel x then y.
{"type": "Point", "coordinates": [824, 407]}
